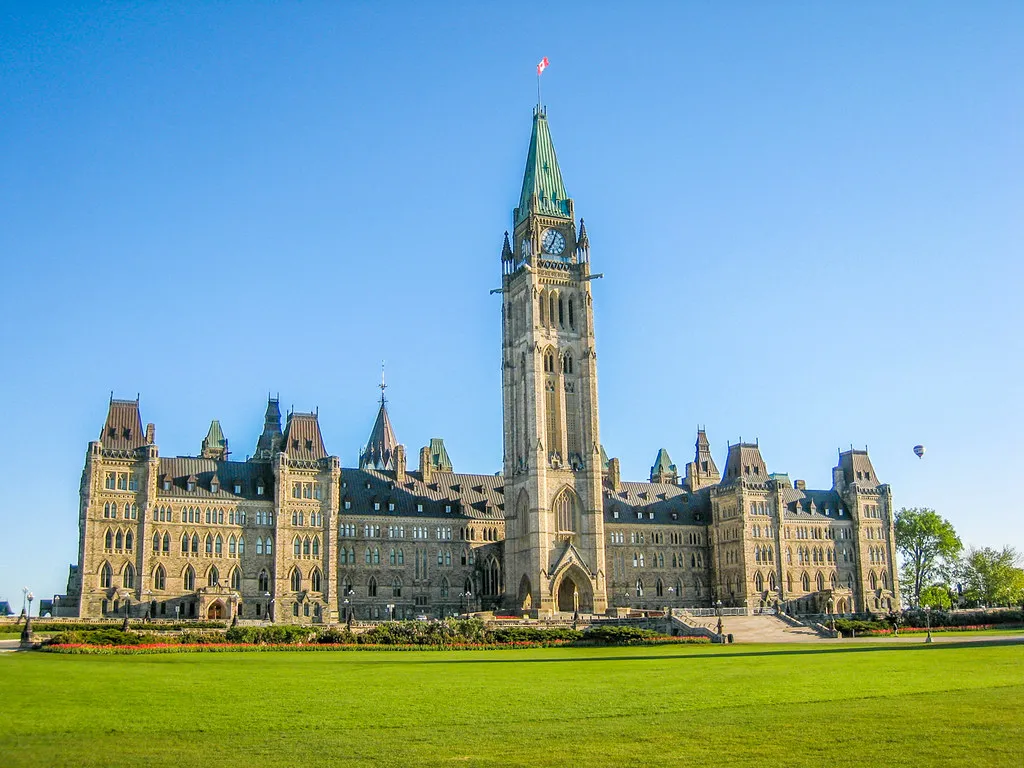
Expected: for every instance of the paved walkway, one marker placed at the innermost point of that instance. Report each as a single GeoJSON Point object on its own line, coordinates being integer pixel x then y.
{"type": "Point", "coordinates": [765, 629]}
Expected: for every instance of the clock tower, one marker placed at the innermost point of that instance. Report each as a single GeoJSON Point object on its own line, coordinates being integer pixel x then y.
{"type": "Point", "coordinates": [554, 530]}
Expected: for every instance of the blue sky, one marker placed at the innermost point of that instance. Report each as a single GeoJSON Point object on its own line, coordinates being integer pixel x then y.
{"type": "Point", "coordinates": [808, 215]}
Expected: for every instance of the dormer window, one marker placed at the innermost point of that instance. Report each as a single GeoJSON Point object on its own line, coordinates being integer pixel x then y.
{"type": "Point", "coordinates": [639, 515]}
{"type": "Point", "coordinates": [259, 488]}
{"type": "Point", "coordinates": [348, 504]}
{"type": "Point", "coordinates": [448, 508]}
{"type": "Point", "coordinates": [214, 486]}
{"type": "Point", "coordinates": [295, 444]}
{"type": "Point", "coordinates": [190, 485]}
{"type": "Point", "coordinates": [391, 506]}
{"type": "Point", "coordinates": [111, 433]}
{"type": "Point", "coordinates": [615, 514]}
{"type": "Point", "coordinates": [127, 433]}
{"type": "Point", "coordinates": [238, 489]}
{"type": "Point", "coordinates": [650, 515]}
{"type": "Point", "coordinates": [419, 507]}
{"type": "Point", "coordinates": [167, 484]}
{"type": "Point", "coordinates": [376, 506]}
{"type": "Point", "coordinates": [309, 445]}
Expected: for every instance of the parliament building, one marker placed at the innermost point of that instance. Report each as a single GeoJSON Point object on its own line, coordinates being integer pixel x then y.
{"type": "Point", "coordinates": [290, 535]}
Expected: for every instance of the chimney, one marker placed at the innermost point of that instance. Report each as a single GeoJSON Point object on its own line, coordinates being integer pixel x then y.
{"type": "Point", "coordinates": [800, 485]}
{"type": "Point", "coordinates": [613, 474]}
{"type": "Point", "coordinates": [150, 434]}
{"type": "Point", "coordinates": [399, 463]}
{"type": "Point", "coordinates": [425, 466]}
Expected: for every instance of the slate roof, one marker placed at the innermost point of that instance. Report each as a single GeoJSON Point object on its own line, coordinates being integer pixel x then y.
{"type": "Point", "coordinates": [663, 464]}
{"type": "Point", "coordinates": [816, 506]}
{"type": "Point", "coordinates": [480, 497]}
{"type": "Point", "coordinates": [542, 176]}
{"type": "Point", "coordinates": [857, 468]}
{"type": "Point", "coordinates": [671, 504]}
{"type": "Point", "coordinates": [744, 461]}
{"type": "Point", "coordinates": [270, 440]}
{"type": "Point", "coordinates": [178, 469]}
{"type": "Point", "coordinates": [123, 430]}
{"type": "Point", "coordinates": [302, 440]}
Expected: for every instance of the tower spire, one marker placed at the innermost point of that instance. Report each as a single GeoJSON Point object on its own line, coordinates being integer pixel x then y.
{"type": "Point", "coordinates": [543, 191]}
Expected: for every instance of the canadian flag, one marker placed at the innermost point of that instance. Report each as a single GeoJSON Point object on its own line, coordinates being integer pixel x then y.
{"type": "Point", "coordinates": [543, 65]}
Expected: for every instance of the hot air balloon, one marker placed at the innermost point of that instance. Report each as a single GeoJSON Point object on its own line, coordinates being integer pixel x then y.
{"type": "Point", "coordinates": [919, 451]}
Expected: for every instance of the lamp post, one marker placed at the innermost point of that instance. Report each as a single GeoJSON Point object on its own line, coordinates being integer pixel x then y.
{"type": "Point", "coordinates": [348, 606]}
{"type": "Point", "coordinates": [718, 612]}
{"type": "Point", "coordinates": [26, 632]}
{"type": "Point", "coordinates": [464, 596]}
{"type": "Point", "coordinates": [56, 605]}
{"type": "Point", "coordinates": [24, 598]}
{"type": "Point", "coordinates": [928, 621]}
{"type": "Point", "coordinates": [391, 611]}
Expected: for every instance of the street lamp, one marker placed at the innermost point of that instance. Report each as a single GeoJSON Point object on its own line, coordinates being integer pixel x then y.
{"type": "Point", "coordinates": [464, 596]}
{"type": "Point", "coordinates": [928, 621]}
{"type": "Point", "coordinates": [348, 607]}
{"type": "Point", "coordinates": [56, 605]}
{"type": "Point", "coordinates": [26, 632]}
{"type": "Point", "coordinates": [391, 611]}
{"type": "Point", "coordinates": [24, 597]}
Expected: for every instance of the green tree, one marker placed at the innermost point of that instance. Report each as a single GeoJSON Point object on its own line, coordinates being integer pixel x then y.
{"type": "Point", "coordinates": [936, 596]}
{"type": "Point", "coordinates": [928, 543]}
{"type": "Point", "coordinates": [992, 577]}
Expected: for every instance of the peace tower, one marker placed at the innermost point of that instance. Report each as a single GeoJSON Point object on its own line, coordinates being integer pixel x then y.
{"type": "Point", "coordinates": [554, 529]}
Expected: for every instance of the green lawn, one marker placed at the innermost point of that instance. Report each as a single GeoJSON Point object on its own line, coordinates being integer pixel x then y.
{"type": "Point", "coordinates": [789, 705]}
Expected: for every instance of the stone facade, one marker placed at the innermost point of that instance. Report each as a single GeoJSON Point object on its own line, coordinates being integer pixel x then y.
{"type": "Point", "coordinates": [290, 535]}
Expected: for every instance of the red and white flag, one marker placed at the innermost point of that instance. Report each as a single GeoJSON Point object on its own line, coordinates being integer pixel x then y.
{"type": "Point", "coordinates": [542, 66]}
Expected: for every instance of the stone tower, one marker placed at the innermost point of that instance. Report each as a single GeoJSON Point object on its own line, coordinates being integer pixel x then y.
{"type": "Point", "coordinates": [554, 555]}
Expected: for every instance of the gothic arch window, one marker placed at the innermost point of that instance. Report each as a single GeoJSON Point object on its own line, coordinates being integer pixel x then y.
{"type": "Point", "coordinates": [296, 580]}
{"type": "Point", "coordinates": [305, 547]}
{"type": "Point", "coordinates": [106, 576]}
{"type": "Point", "coordinates": [567, 364]}
{"type": "Point", "coordinates": [371, 587]}
{"type": "Point", "coordinates": [758, 582]}
{"type": "Point", "coordinates": [297, 546]}
{"type": "Point", "coordinates": [833, 579]}
{"type": "Point", "coordinates": [259, 546]}
{"type": "Point", "coordinates": [771, 580]}
{"type": "Point", "coordinates": [189, 579]}
{"type": "Point", "coordinates": [316, 547]}
{"type": "Point", "coordinates": [541, 308]}
{"type": "Point", "coordinates": [873, 580]}
{"type": "Point", "coordinates": [195, 543]}
{"type": "Point", "coordinates": [561, 312]}
{"type": "Point", "coordinates": [108, 540]}
{"type": "Point", "coordinates": [213, 577]}
{"type": "Point", "coordinates": [572, 317]}
{"type": "Point", "coordinates": [565, 508]}
{"type": "Point", "coordinates": [805, 582]}
{"type": "Point", "coordinates": [119, 540]}
{"type": "Point", "coordinates": [445, 588]}
{"type": "Point", "coordinates": [264, 581]}
{"type": "Point", "coordinates": [659, 588]}
{"type": "Point", "coordinates": [209, 544]}
{"type": "Point", "coordinates": [218, 545]}
{"type": "Point", "coordinates": [639, 587]}
{"type": "Point", "coordinates": [316, 580]}
{"type": "Point", "coordinates": [396, 587]}
{"type": "Point", "coordinates": [236, 578]}
{"type": "Point", "coordinates": [159, 578]}
{"type": "Point", "coordinates": [819, 582]}
{"type": "Point", "coordinates": [232, 547]}
{"type": "Point", "coordinates": [128, 577]}
{"type": "Point", "coordinates": [156, 543]}
{"type": "Point", "coordinates": [184, 543]}
{"type": "Point", "coordinates": [885, 580]}
{"type": "Point", "coordinates": [551, 308]}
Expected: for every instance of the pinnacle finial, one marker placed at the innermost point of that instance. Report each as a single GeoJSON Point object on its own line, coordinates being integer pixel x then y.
{"type": "Point", "coordinates": [383, 383]}
{"type": "Point", "coordinates": [506, 248]}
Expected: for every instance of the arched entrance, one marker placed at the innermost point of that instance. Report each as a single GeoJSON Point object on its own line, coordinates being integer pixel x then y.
{"type": "Point", "coordinates": [525, 594]}
{"type": "Point", "coordinates": [841, 605]}
{"type": "Point", "coordinates": [574, 592]}
{"type": "Point", "coordinates": [216, 611]}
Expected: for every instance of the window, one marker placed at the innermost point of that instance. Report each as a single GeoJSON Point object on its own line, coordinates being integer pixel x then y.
{"type": "Point", "coordinates": [128, 577]}
{"type": "Point", "coordinates": [167, 543]}
{"type": "Point", "coordinates": [259, 546]}
{"type": "Point", "coordinates": [269, 546]}
{"type": "Point", "coordinates": [190, 579]}
{"type": "Point", "coordinates": [106, 576]}
{"type": "Point", "coordinates": [218, 545]}
{"type": "Point", "coordinates": [396, 588]}
{"type": "Point", "coordinates": [264, 582]}
{"type": "Point", "coordinates": [296, 580]}
{"type": "Point", "coordinates": [315, 580]}
{"type": "Point", "coordinates": [371, 587]}
{"type": "Point", "coordinates": [236, 579]}
{"type": "Point", "coordinates": [213, 577]}
{"type": "Point", "coordinates": [159, 578]}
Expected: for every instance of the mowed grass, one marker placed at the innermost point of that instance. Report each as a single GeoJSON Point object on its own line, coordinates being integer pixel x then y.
{"type": "Point", "coordinates": [794, 705]}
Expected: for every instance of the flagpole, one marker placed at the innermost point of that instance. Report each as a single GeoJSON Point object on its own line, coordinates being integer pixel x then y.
{"type": "Point", "coordinates": [538, 90]}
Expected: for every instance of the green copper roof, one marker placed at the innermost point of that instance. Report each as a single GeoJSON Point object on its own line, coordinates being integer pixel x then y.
{"type": "Point", "coordinates": [542, 176]}
{"type": "Point", "coordinates": [663, 463]}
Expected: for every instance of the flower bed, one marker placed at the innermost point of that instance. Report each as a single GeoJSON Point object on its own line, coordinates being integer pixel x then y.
{"type": "Point", "coordinates": [923, 630]}
{"type": "Point", "coordinates": [168, 647]}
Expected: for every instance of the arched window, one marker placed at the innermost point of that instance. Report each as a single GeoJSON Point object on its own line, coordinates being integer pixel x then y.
{"type": "Point", "coordinates": [565, 511]}
{"type": "Point", "coordinates": [184, 543]}
{"type": "Point", "coordinates": [236, 579]}
{"type": "Point", "coordinates": [771, 580]}
{"type": "Point", "coordinates": [190, 579]}
{"type": "Point", "coordinates": [156, 543]}
{"type": "Point", "coordinates": [296, 546]}
{"type": "Point", "coordinates": [128, 577]}
{"type": "Point", "coordinates": [369, 556]}
{"type": "Point", "coordinates": [371, 587]}
{"type": "Point", "coordinates": [119, 541]}
{"type": "Point", "coordinates": [659, 588]}
{"type": "Point", "coordinates": [639, 587]}
{"type": "Point", "coordinates": [159, 578]}
{"type": "Point", "coordinates": [315, 580]}
{"type": "Point", "coordinates": [396, 587]}
{"type": "Point", "coordinates": [231, 545]}
{"type": "Point", "coordinates": [106, 576]}
{"type": "Point", "coordinates": [376, 556]}
{"type": "Point", "coordinates": [209, 544]}
{"type": "Point", "coordinates": [316, 547]}
{"type": "Point", "coordinates": [195, 543]}
{"type": "Point", "coordinates": [401, 557]}
{"type": "Point", "coordinates": [218, 545]}
{"type": "Point", "coordinates": [540, 308]}
{"type": "Point", "coordinates": [885, 580]}
{"type": "Point", "coordinates": [572, 317]}
{"type": "Point", "coordinates": [833, 579]}
{"type": "Point", "coordinates": [268, 548]}
{"type": "Point", "coordinates": [758, 582]}
{"type": "Point", "coordinates": [108, 540]}
{"type": "Point", "coordinates": [259, 546]}
{"type": "Point", "coordinates": [264, 581]}
{"type": "Point", "coordinates": [805, 582]}
{"type": "Point", "coordinates": [873, 580]}
{"type": "Point", "coordinates": [305, 547]}
{"type": "Point", "coordinates": [819, 582]}
{"type": "Point", "coordinates": [167, 543]}
{"type": "Point", "coordinates": [296, 580]}
{"type": "Point", "coordinates": [213, 577]}
{"type": "Point", "coordinates": [241, 546]}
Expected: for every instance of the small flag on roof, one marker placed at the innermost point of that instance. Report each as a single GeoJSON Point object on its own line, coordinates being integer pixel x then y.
{"type": "Point", "coordinates": [542, 66]}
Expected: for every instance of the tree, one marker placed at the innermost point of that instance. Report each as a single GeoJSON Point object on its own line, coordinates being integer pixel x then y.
{"type": "Point", "coordinates": [937, 597]}
{"type": "Point", "coordinates": [992, 577]}
{"type": "Point", "coordinates": [928, 543]}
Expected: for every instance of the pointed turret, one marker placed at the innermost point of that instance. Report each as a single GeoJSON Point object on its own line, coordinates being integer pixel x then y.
{"type": "Point", "coordinates": [215, 445]}
{"type": "Point", "coordinates": [702, 472]}
{"type": "Point", "coordinates": [270, 441]}
{"type": "Point", "coordinates": [543, 191]}
{"type": "Point", "coordinates": [664, 471]}
{"type": "Point", "coordinates": [123, 427]}
{"type": "Point", "coordinates": [439, 455]}
{"type": "Point", "coordinates": [744, 462]}
{"type": "Point", "coordinates": [379, 451]}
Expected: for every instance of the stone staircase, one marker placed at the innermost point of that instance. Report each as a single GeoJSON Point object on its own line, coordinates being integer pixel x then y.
{"type": "Point", "coordinates": [759, 629]}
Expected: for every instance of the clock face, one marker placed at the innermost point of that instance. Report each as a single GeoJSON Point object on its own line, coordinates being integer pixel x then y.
{"type": "Point", "coordinates": [553, 242]}
{"type": "Point", "coordinates": [524, 250]}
